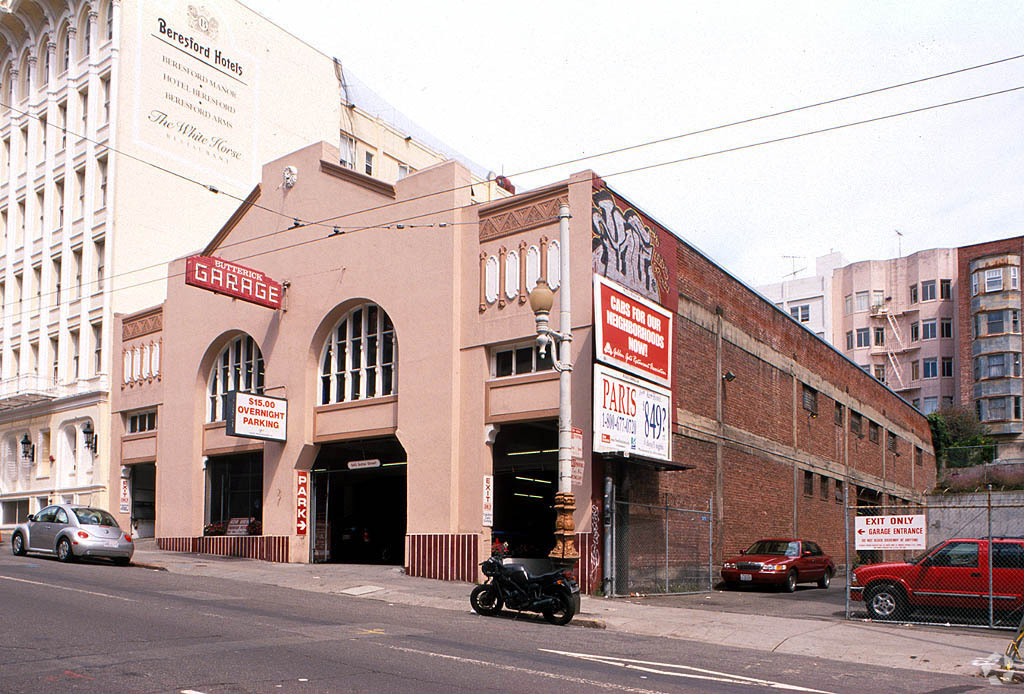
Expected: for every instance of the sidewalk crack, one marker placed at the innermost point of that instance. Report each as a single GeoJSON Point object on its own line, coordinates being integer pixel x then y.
{"type": "Point", "coordinates": [802, 633]}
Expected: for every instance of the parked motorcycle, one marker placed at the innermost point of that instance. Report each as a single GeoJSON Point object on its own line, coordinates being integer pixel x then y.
{"type": "Point", "coordinates": [555, 594]}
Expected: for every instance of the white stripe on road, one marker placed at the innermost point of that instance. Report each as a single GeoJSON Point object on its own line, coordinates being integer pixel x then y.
{"type": "Point", "coordinates": [648, 666]}
{"type": "Point", "coordinates": [525, 671]}
{"type": "Point", "coordinates": [74, 590]}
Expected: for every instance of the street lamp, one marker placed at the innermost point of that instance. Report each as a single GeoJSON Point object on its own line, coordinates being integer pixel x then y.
{"type": "Point", "coordinates": [91, 439]}
{"type": "Point", "coordinates": [28, 450]}
{"type": "Point", "coordinates": [541, 301]}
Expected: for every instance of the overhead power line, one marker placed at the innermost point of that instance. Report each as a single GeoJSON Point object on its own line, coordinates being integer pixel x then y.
{"type": "Point", "coordinates": [407, 222]}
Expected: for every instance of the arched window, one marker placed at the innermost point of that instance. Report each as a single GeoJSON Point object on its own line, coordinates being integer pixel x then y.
{"type": "Point", "coordinates": [359, 359]}
{"type": "Point", "coordinates": [64, 46]}
{"type": "Point", "coordinates": [44, 73]}
{"type": "Point", "coordinates": [108, 19]}
{"type": "Point", "coordinates": [238, 367]}
{"type": "Point", "coordinates": [24, 77]}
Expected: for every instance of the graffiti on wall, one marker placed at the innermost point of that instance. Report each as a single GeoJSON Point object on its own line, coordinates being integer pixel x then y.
{"type": "Point", "coordinates": [625, 249]}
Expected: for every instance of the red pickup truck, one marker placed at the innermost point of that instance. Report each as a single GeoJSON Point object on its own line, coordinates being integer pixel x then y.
{"type": "Point", "coordinates": [951, 574]}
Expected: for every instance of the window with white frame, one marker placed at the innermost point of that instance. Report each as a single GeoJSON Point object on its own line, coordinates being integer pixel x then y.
{"type": "Point", "coordinates": [930, 367]}
{"type": "Point", "coordinates": [863, 337]}
{"type": "Point", "coordinates": [239, 367]}
{"type": "Point", "coordinates": [928, 329]}
{"type": "Point", "coordinates": [801, 313]}
{"type": "Point", "coordinates": [993, 280]}
{"type": "Point", "coordinates": [928, 290]}
{"type": "Point", "coordinates": [520, 359]}
{"type": "Point", "coordinates": [359, 360]}
{"type": "Point", "coordinates": [141, 422]}
{"type": "Point", "coordinates": [348, 151]}
{"type": "Point", "coordinates": [862, 300]}
{"type": "Point", "coordinates": [848, 303]}
{"type": "Point", "coordinates": [1014, 277]}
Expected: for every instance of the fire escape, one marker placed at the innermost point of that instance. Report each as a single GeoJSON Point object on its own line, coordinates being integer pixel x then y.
{"type": "Point", "coordinates": [896, 346]}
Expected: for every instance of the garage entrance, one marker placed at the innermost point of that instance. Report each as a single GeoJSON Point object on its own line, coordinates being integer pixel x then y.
{"type": "Point", "coordinates": [359, 502]}
{"type": "Point", "coordinates": [525, 483]}
{"type": "Point", "coordinates": [143, 495]}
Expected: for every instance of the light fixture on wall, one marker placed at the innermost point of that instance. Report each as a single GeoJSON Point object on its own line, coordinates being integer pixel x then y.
{"type": "Point", "coordinates": [28, 449]}
{"type": "Point", "coordinates": [91, 439]}
{"type": "Point", "coordinates": [728, 377]}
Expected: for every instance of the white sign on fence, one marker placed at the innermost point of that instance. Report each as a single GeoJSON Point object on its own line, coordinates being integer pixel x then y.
{"type": "Point", "coordinates": [890, 532]}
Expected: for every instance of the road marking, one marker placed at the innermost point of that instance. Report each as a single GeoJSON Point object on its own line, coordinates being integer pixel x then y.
{"type": "Point", "coordinates": [73, 590]}
{"type": "Point", "coordinates": [526, 671]}
{"type": "Point", "coordinates": [713, 675]}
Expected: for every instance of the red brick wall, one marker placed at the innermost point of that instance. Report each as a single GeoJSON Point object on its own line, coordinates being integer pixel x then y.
{"type": "Point", "coordinates": [694, 381]}
{"type": "Point", "coordinates": [760, 399]}
{"type": "Point", "coordinates": [965, 255]}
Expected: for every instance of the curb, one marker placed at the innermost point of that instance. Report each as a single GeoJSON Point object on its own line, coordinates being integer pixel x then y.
{"type": "Point", "coordinates": [589, 622]}
{"type": "Point", "coordinates": [152, 567]}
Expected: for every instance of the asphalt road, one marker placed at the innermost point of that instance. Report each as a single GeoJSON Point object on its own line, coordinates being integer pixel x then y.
{"type": "Point", "coordinates": [99, 628]}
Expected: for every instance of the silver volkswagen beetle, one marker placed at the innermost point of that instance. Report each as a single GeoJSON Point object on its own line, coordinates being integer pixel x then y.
{"type": "Point", "coordinates": [70, 531]}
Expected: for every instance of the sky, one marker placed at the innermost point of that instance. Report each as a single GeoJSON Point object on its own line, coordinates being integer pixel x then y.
{"type": "Point", "coordinates": [526, 84]}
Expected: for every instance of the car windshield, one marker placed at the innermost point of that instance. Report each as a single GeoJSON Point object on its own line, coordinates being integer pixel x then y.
{"type": "Point", "coordinates": [94, 516]}
{"type": "Point", "coordinates": [783, 548]}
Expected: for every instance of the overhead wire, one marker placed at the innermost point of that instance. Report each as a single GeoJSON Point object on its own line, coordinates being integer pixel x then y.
{"type": "Point", "coordinates": [403, 221]}
{"type": "Point", "coordinates": [692, 133]}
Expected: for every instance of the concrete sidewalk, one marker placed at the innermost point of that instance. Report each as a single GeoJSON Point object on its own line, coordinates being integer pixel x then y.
{"type": "Point", "coordinates": [887, 645]}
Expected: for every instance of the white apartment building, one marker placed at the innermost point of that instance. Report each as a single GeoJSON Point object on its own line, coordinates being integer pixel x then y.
{"type": "Point", "coordinates": [808, 299]}
{"type": "Point", "coordinates": [130, 130]}
{"type": "Point", "coordinates": [896, 319]}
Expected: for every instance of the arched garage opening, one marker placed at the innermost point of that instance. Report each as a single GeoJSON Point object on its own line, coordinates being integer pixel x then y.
{"type": "Point", "coordinates": [359, 502]}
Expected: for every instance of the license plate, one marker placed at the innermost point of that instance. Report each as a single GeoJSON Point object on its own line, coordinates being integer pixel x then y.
{"type": "Point", "coordinates": [746, 577]}
{"type": "Point", "coordinates": [110, 543]}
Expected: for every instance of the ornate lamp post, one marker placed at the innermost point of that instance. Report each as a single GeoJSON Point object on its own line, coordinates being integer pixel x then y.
{"type": "Point", "coordinates": [541, 301]}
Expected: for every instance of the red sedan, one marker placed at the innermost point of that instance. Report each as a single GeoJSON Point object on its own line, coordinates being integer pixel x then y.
{"type": "Point", "coordinates": [780, 562]}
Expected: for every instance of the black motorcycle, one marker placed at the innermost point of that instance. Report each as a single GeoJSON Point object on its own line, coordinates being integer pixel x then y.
{"type": "Point", "coordinates": [554, 594]}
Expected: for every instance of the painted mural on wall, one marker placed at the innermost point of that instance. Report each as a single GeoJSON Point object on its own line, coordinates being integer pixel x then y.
{"type": "Point", "coordinates": [625, 249]}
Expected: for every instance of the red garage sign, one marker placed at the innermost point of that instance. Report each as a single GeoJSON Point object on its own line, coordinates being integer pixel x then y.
{"type": "Point", "coordinates": [301, 502]}
{"type": "Point", "coordinates": [632, 333]}
{"type": "Point", "coordinates": [236, 281]}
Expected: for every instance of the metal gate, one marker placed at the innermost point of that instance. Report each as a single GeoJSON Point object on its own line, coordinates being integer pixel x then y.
{"type": "Point", "coordinates": [660, 549]}
{"type": "Point", "coordinates": [969, 573]}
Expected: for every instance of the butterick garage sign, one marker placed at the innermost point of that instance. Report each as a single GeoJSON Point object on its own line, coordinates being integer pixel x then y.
{"type": "Point", "coordinates": [631, 332]}
{"type": "Point", "coordinates": [234, 280]}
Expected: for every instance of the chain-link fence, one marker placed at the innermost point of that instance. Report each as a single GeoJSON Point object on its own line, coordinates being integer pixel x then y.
{"type": "Point", "coordinates": [661, 549]}
{"type": "Point", "coordinates": [955, 562]}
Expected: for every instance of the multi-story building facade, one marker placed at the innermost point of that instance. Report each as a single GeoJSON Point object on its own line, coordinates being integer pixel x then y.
{"type": "Point", "coordinates": [808, 299]}
{"type": "Point", "coordinates": [896, 319]}
{"type": "Point", "coordinates": [421, 419]}
{"type": "Point", "coordinates": [127, 129]}
{"type": "Point", "coordinates": [990, 346]}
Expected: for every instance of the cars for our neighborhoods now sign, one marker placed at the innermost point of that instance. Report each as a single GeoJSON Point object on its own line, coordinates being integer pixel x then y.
{"type": "Point", "coordinates": [301, 501]}
{"type": "Point", "coordinates": [231, 279]}
{"type": "Point", "coordinates": [631, 332]}
{"type": "Point", "coordinates": [256, 417]}
{"type": "Point", "coordinates": [630, 416]}
{"type": "Point", "coordinates": [890, 532]}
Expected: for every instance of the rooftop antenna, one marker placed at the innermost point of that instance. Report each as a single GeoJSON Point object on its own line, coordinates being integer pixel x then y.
{"type": "Point", "coordinates": [793, 259]}
{"type": "Point", "coordinates": [899, 243]}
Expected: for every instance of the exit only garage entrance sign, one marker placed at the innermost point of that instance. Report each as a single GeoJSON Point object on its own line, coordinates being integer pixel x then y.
{"type": "Point", "coordinates": [890, 532]}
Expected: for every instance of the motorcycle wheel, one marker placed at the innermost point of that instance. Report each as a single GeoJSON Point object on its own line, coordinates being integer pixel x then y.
{"type": "Point", "coordinates": [486, 600]}
{"type": "Point", "coordinates": [562, 614]}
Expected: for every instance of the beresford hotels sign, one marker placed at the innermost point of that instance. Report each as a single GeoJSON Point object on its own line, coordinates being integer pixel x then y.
{"type": "Point", "coordinates": [233, 280]}
{"type": "Point", "coordinates": [630, 415]}
{"type": "Point", "coordinates": [256, 416]}
{"type": "Point", "coordinates": [632, 333]}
